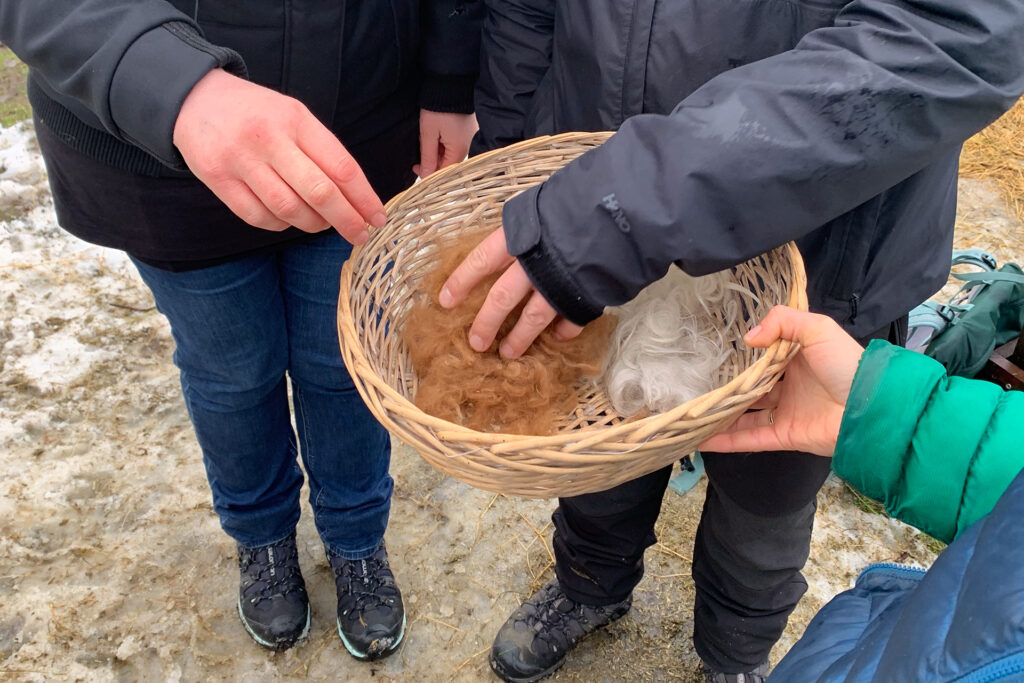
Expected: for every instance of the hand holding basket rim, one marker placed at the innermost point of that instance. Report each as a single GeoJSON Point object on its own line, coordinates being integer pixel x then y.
{"type": "Point", "coordinates": [804, 411]}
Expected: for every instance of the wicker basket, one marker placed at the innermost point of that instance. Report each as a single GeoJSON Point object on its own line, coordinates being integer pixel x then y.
{"type": "Point", "coordinates": [593, 449]}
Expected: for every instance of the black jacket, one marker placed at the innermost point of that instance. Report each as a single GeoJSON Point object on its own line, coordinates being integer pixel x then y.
{"type": "Point", "coordinates": [108, 77]}
{"type": "Point", "coordinates": [743, 125]}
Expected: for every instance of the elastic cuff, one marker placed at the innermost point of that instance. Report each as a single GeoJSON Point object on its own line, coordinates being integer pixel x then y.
{"type": "Point", "coordinates": [447, 94]}
{"type": "Point", "coordinates": [154, 77]}
{"type": "Point", "coordinates": [881, 456]}
{"type": "Point", "coordinates": [870, 448]}
{"type": "Point", "coordinates": [550, 276]}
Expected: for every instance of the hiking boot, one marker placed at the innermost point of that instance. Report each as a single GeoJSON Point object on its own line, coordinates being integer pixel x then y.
{"type": "Point", "coordinates": [756, 676]}
{"type": "Point", "coordinates": [371, 617]}
{"type": "Point", "coordinates": [536, 638]}
{"type": "Point", "coordinates": [272, 601]}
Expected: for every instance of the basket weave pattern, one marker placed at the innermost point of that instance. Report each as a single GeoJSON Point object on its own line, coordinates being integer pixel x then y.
{"type": "Point", "coordinates": [594, 448]}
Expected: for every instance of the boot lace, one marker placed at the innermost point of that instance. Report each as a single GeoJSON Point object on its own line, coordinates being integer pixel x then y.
{"type": "Point", "coordinates": [364, 584]}
{"type": "Point", "coordinates": [270, 571]}
{"type": "Point", "coordinates": [559, 622]}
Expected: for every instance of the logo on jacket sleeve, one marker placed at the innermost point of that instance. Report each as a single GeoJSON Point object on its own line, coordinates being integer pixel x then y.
{"type": "Point", "coordinates": [610, 204]}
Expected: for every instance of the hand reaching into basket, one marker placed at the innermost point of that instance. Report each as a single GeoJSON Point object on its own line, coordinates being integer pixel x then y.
{"type": "Point", "coordinates": [509, 291]}
{"type": "Point", "coordinates": [805, 409]}
{"type": "Point", "coordinates": [271, 161]}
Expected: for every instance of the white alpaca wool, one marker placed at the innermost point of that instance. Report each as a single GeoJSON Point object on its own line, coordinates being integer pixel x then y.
{"type": "Point", "coordinates": [668, 347]}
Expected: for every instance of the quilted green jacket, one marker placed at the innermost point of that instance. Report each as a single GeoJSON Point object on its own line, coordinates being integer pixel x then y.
{"type": "Point", "coordinates": [938, 451]}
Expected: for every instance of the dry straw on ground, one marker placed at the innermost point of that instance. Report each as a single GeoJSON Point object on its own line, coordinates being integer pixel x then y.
{"type": "Point", "coordinates": [997, 154]}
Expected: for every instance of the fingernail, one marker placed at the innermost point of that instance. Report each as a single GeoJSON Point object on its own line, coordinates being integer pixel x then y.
{"type": "Point", "coordinates": [445, 298]}
{"type": "Point", "coordinates": [477, 342]}
{"type": "Point", "coordinates": [506, 352]}
{"type": "Point", "coordinates": [378, 220]}
{"type": "Point", "coordinates": [753, 332]}
{"type": "Point", "coordinates": [361, 238]}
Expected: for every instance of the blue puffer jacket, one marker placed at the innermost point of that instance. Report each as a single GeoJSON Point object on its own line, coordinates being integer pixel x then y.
{"type": "Point", "coordinates": [962, 621]}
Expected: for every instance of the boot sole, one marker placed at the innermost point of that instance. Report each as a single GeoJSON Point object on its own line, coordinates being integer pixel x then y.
{"type": "Point", "coordinates": [364, 657]}
{"type": "Point", "coordinates": [277, 647]}
{"type": "Point", "coordinates": [528, 679]}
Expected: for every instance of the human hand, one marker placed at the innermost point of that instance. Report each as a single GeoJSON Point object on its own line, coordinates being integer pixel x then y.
{"type": "Point", "coordinates": [271, 161]}
{"type": "Point", "coordinates": [512, 287]}
{"type": "Point", "coordinates": [804, 410]}
{"type": "Point", "coordinates": [444, 140]}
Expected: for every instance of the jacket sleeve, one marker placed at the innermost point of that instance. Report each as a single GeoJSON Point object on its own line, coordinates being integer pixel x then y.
{"type": "Point", "coordinates": [516, 54]}
{"type": "Point", "coordinates": [769, 151]}
{"type": "Point", "coordinates": [450, 54]}
{"type": "Point", "coordinates": [938, 451]}
{"type": "Point", "coordinates": [131, 63]}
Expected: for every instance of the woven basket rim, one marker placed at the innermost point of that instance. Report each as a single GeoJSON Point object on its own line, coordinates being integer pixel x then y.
{"type": "Point", "coordinates": [578, 439]}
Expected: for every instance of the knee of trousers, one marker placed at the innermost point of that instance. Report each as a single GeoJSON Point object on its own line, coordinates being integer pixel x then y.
{"type": "Point", "coordinates": [320, 373]}
{"type": "Point", "coordinates": [231, 384]}
{"type": "Point", "coordinates": [767, 484]}
{"type": "Point", "coordinates": [760, 551]}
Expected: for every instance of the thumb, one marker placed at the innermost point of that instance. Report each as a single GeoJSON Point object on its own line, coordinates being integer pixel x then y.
{"type": "Point", "coordinates": [783, 322]}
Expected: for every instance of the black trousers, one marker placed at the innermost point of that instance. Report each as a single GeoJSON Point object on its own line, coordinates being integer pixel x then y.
{"type": "Point", "coordinates": [753, 539]}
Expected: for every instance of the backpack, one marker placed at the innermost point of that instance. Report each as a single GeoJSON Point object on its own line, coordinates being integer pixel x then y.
{"type": "Point", "coordinates": [986, 312]}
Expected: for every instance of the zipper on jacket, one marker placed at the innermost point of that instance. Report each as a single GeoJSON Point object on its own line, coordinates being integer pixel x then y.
{"type": "Point", "coordinates": [460, 8]}
{"type": "Point", "coordinates": [1008, 665]}
{"type": "Point", "coordinates": [634, 61]}
{"type": "Point", "coordinates": [626, 63]}
{"type": "Point", "coordinates": [999, 669]}
{"type": "Point", "coordinates": [854, 301]}
{"type": "Point", "coordinates": [903, 571]}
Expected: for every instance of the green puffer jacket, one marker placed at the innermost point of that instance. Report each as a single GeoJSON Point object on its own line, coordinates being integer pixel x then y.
{"type": "Point", "coordinates": [938, 451]}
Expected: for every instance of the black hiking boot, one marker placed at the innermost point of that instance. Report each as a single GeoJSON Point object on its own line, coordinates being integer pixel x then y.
{"type": "Point", "coordinates": [371, 617]}
{"type": "Point", "coordinates": [756, 676]}
{"type": "Point", "coordinates": [537, 637]}
{"type": "Point", "coordinates": [272, 601]}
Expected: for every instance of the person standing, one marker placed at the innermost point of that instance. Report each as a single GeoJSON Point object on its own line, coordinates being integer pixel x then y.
{"type": "Point", "coordinates": [218, 143]}
{"type": "Point", "coordinates": [943, 454]}
{"type": "Point", "coordinates": [740, 126]}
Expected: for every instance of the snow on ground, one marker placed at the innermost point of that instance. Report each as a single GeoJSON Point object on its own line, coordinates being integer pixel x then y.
{"type": "Point", "coordinates": [112, 564]}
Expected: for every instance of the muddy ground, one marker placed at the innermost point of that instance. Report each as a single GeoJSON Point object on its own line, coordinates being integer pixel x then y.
{"type": "Point", "coordinates": [112, 564]}
{"type": "Point", "coordinates": [13, 101]}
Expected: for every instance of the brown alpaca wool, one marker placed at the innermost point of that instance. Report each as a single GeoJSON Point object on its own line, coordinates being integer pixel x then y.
{"type": "Point", "coordinates": [484, 391]}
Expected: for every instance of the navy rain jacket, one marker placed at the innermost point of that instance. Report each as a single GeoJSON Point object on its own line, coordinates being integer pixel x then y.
{"type": "Point", "coordinates": [743, 125]}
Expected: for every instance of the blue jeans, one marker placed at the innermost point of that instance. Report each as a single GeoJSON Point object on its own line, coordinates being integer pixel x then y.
{"type": "Point", "coordinates": [238, 328]}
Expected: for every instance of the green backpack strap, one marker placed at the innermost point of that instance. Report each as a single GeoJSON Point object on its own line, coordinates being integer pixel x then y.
{"type": "Point", "coordinates": [975, 257]}
{"type": "Point", "coordinates": [989, 277]}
